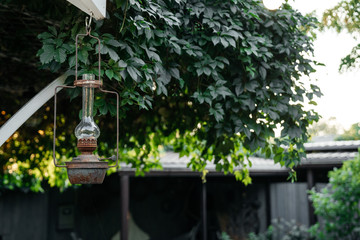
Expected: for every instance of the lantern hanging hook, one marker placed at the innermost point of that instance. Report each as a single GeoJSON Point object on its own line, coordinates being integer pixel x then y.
{"type": "Point", "coordinates": [88, 23]}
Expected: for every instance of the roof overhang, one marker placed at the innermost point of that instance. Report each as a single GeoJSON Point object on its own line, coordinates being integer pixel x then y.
{"type": "Point", "coordinates": [174, 165]}
{"type": "Point", "coordinates": [95, 7]}
{"type": "Point", "coordinates": [321, 155]}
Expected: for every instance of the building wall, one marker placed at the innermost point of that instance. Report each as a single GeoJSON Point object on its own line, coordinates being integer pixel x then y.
{"type": "Point", "coordinates": [162, 207]}
{"type": "Point", "coordinates": [87, 212]}
{"type": "Point", "coordinates": [289, 201]}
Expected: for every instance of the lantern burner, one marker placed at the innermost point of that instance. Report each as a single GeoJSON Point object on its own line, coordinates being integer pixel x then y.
{"type": "Point", "coordinates": [86, 145]}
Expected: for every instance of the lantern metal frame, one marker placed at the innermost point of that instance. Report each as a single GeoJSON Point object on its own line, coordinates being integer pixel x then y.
{"type": "Point", "coordinates": [81, 169]}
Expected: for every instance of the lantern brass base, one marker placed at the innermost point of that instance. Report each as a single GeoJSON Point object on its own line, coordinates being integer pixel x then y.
{"type": "Point", "coordinates": [86, 168]}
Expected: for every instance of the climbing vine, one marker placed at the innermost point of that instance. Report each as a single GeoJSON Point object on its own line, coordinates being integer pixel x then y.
{"type": "Point", "coordinates": [208, 79]}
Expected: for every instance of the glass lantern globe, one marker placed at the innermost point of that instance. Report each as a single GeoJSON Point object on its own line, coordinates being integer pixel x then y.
{"type": "Point", "coordinates": [87, 128]}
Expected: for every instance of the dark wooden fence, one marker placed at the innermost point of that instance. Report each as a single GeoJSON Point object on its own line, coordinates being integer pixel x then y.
{"type": "Point", "coordinates": [23, 216]}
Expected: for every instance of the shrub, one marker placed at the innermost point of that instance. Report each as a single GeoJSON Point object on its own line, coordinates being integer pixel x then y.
{"type": "Point", "coordinates": [282, 230]}
{"type": "Point", "coordinates": [338, 204]}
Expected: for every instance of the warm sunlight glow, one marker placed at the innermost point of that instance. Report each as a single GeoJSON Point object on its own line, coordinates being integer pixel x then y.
{"type": "Point", "coordinates": [41, 132]}
{"type": "Point", "coordinates": [272, 4]}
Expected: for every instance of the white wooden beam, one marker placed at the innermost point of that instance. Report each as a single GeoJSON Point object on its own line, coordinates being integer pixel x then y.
{"type": "Point", "coordinates": [97, 7]}
{"type": "Point", "coordinates": [18, 119]}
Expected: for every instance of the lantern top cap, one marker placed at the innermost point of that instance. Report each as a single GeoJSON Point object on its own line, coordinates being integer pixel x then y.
{"type": "Point", "coordinates": [88, 80]}
{"type": "Point", "coordinates": [88, 83]}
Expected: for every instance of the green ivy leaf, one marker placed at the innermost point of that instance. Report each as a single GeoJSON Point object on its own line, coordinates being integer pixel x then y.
{"type": "Point", "coordinates": [83, 55]}
{"type": "Point", "coordinates": [112, 109]}
{"type": "Point", "coordinates": [52, 30]}
{"type": "Point", "coordinates": [262, 72]}
{"type": "Point", "coordinates": [215, 40]}
{"type": "Point", "coordinates": [175, 73]}
{"type": "Point", "coordinates": [71, 61]}
{"type": "Point", "coordinates": [231, 42]}
{"type": "Point", "coordinates": [60, 55]}
{"type": "Point", "coordinates": [109, 73]}
{"type": "Point", "coordinates": [207, 71]}
{"type": "Point", "coordinates": [122, 64]}
{"type": "Point", "coordinates": [224, 42]}
{"type": "Point", "coordinates": [113, 42]}
{"type": "Point", "coordinates": [113, 55]}
{"type": "Point", "coordinates": [133, 72]}
{"type": "Point", "coordinates": [47, 54]}
{"type": "Point", "coordinates": [224, 91]}
{"type": "Point", "coordinates": [103, 109]}
{"type": "Point", "coordinates": [217, 112]}
{"type": "Point", "coordinates": [45, 35]}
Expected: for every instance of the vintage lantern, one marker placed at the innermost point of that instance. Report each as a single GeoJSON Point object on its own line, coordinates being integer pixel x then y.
{"type": "Point", "coordinates": [87, 168]}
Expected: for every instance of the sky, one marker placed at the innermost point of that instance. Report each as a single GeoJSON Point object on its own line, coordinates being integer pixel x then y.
{"type": "Point", "coordinates": [341, 90]}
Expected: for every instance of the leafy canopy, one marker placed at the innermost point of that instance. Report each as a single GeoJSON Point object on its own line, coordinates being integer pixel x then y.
{"type": "Point", "coordinates": [345, 16]}
{"type": "Point", "coordinates": [208, 79]}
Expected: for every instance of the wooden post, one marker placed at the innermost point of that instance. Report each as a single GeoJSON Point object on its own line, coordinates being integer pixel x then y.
{"type": "Point", "coordinates": [268, 204]}
{"type": "Point", "coordinates": [124, 196]}
{"type": "Point", "coordinates": [204, 211]}
{"type": "Point", "coordinates": [310, 185]}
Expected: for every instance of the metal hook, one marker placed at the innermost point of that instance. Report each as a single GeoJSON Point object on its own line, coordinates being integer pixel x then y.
{"type": "Point", "coordinates": [88, 22]}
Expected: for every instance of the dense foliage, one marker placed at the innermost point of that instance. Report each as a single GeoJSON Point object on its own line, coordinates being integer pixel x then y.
{"type": "Point", "coordinates": [345, 16]}
{"type": "Point", "coordinates": [338, 204]}
{"type": "Point", "coordinates": [210, 79]}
